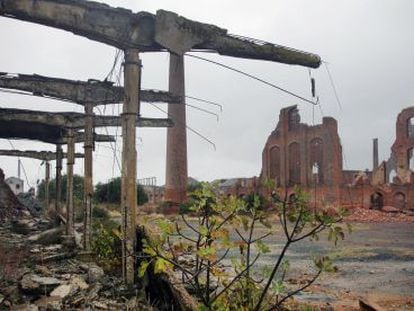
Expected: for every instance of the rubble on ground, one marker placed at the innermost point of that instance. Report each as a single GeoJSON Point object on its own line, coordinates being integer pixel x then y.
{"type": "Point", "coordinates": [9, 205]}
{"type": "Point", "coordinates": [388, 214]}
{"type": "Point", "coordinates": [29, 201]}
{"type": "Point", "coordinates": [37, 272]}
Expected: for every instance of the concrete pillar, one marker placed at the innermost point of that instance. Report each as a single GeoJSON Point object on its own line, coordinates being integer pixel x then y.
{"type": "Point", "coordinates": [132, 71]}
{"type": "Point", "coordinates": [375, 153]}
{"type": "Point", "coordinates": [69, 184]}
{"type": "Point", "coordinates": [176, 166]}
{"type": "Point", "coordinates": [59, 157]}
{"type": "Point", "coordinates": [88, 181]}
{"type": "Point", "coordinates": [47, 180]}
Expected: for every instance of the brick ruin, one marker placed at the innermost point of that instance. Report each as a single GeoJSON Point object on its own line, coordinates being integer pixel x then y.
{"type": "Point", "coordinates": [311, 157]}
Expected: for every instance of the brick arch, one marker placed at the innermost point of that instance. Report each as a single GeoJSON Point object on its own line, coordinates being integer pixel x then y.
{"type": "Point", "coordinates": [377, 200]}
{"type": "Point", "coordinates": [316, 146]}
{"type": "Point", "coordinates": [274, 163]}
{"type": "Point", "coordinates": [410, 127]}
{"type": "Point", "coordinates": [398, 199]}
{"type": "Point", "coordinates": [410, 158]}
{"type": "Point", "coordinates": [294, 163]}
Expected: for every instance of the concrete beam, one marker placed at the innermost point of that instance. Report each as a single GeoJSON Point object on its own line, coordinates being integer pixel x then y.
{"type": "Point", "coordinates": [38, 155]}
{"type": "Point", "coordinates": [44, 133]}
{"type": "Point", "coordinates": [147, 32]}
{"type": "Point", "coordinates": [72, 120]}
{"type": "Point", "coordinates": [80, 92]}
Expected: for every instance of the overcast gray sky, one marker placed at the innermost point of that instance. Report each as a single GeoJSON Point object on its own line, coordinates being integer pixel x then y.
{"type": "Point", "coordinates": [368, 44]}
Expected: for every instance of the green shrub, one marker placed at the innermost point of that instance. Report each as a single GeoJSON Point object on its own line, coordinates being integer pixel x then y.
{"type": "Point", "coordinates": [106, 246]}
{"type": "Point", "coordinates": [110, 192]}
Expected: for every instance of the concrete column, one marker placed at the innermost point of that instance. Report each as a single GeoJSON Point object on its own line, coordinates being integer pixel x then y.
{"type": "Point", "coordinates": [132, 71]}
{"type": "Point", "coordinates": [47, 180]}
{"type": "Point", "coordinates": [375, 153]}
{"type": "Point", "coordinates": [176, 166]}
{"type": "Point", "coordinates": [59, 157]}
{"type": "Point", "coordinates": [69, 184]}
{"type": "Point", "coordinates": [88, 181]}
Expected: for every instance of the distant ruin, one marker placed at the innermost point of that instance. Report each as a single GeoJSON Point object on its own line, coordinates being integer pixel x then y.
{"type": "Point", "coordinates": [311, 157]}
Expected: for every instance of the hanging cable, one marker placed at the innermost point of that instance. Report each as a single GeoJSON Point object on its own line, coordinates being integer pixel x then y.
{"type": "Point", "coordinates": [110, 143]}
{"type": "Point", "coordinates": [186, 126]}
{"type": "Point", "coordinates": [116, 59]}
{"type": "Point", "coordinates": [21, 163]}
{"type": "Point", "coordinates": [333, 85]}
{"type": "Point", "coordinates": [205, 101]}
{"type": "Point", "coordinates": [253, 77]}
{"type": "Point", "coordinates": [204, 110]}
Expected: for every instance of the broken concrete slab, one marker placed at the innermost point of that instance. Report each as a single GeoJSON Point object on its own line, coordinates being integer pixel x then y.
{"type": "Point", "coordinates": [35, 284]}
{"type": "Point", "coordinates": [62, 291]}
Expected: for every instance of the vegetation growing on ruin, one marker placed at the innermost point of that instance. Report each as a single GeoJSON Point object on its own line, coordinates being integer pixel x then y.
{"type": "Point", "coordinates": [217, 252]}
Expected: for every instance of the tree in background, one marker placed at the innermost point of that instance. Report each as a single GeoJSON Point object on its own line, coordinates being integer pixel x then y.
{"type": "Point", "coordinates": [110, 192]}
{"type": "Point", "coordinates": [77, 189]}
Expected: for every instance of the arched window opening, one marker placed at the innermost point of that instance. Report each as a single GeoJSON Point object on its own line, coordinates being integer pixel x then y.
{"type": "Point", "coordinates": [275, 164]}
{"type": "Point", "coordinates": [410, 159]}
{"type": "Point", "coordinates": [410, 127]}
{"type": "Point", "coordinates": [399, 200]}
{"type": "Point", "coordinates": [294, 119]}
{"type": "Point", "coordinates": [392, 176]}
{"type": "Point", "coordinates": [316, 160]}
{"type": "Point", "coordinates": [294, 164]}
{"type": "Point", "coordinates": [377, 201]}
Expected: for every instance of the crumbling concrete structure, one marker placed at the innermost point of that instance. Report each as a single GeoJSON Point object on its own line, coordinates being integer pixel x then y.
{"type": "Point", "coordinates": [144, 32]}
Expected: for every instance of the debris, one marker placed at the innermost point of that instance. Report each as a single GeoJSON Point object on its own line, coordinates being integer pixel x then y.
{"type": "Point", "coordinates": [95, 273]}
{"type": "Point", "coordinates": [62, 291]}
{"type": "Point", "coordinates": [369, 215]}
{"type": "Point", "coordinates": [48, 237]}
{"type": "Point", "coordinates": [49, 303]}
{"type": "Point", "coordinates": [78, 282]}
{"type": "Point", "coordinates": [390, 209]}
{"type": "Point", "coordinates": [23, 226]}
{"type": "Point", "coordinates": [30, 203]}
{"type": "Point", "coordinates": [35, 284]}
{"type": "Point", "coordinates": [10, 207]}
{"type": "Point", "coordinates": [367, 305]}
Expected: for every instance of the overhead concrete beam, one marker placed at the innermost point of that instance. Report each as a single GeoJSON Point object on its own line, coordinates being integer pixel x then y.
{"type": "Point", "coordinates": [80, 92]}
{"type": "Point", "coordinates": [38, 155]}
{"type": "Point", "coordinates": [73, 120]}
{"type": "Point", "coordinates": [44, 133]}
{"type": "Point", "coordinates": [148, 32]}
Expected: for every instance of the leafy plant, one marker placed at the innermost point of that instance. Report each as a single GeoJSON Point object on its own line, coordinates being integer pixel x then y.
{"type": "Point", "coordinates": [106, 247]}
{"type": "Point", "coordinates": [225, 229]}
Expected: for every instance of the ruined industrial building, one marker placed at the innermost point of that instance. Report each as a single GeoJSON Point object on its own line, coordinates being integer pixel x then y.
{"type": "Point", "coordinates": [298, 154]}
{"type": "Point", "coordinates": [130, 244]}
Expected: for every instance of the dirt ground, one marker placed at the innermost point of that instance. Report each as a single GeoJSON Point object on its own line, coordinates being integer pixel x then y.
{"type": "Point", "coordinates": [375, 261]}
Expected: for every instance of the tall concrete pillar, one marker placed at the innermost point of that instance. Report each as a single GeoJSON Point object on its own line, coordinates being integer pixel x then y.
{"type": "Point", "coordinates": [375, 153]}
{"type": "Point", "coordinates": [69, 184]}
{"type": "Point", "coordinates": [132, 71]}
{"type": "Point", "coordinates": [88, 181]}
{"type": "Point", "coordinates": [59, 157]}
{"type": "Point", "coordinates": [176, 166]}
{"type": "Point", "coordinates": [47, 180]}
